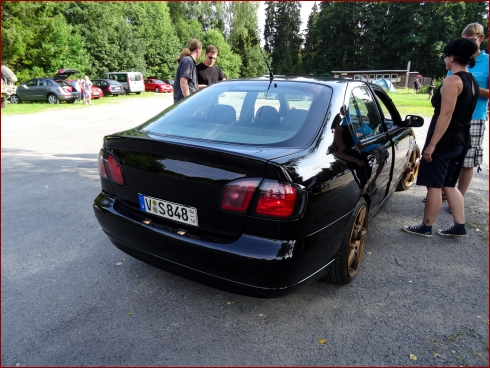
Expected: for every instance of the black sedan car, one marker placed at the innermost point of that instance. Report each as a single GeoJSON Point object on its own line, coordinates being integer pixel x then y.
{"type": "Point", "coordinates": [109, 87]}
{"type": "Point", "coordinates": [254, 195]}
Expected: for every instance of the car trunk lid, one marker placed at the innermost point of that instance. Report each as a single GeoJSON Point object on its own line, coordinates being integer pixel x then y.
{"type": "Point", "coordinates": [192, 176]}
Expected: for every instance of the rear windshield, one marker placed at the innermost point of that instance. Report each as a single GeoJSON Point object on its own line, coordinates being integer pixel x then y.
{"type": "Point", "coordinates": [285, 114]}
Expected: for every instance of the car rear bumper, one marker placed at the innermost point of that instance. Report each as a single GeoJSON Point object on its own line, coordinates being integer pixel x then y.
{"type": "Point", "coordinates": [112, 93]}
{"type": "Point", "coordinates": [247, 265]}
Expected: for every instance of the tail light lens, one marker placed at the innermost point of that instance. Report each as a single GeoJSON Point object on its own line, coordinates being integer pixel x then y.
{"type": "Point", "coordinates": [102, 169]}
{"type": "Point", "coordinates": [276, 199]}
{"type": "Point", "coordinates": [109, 168]}
{"type": "Point", "coordinates": [237, 195]}
{"type": "Point", "coordinates": [273, 199]}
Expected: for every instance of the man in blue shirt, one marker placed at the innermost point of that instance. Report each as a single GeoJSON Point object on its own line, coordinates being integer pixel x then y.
{"type": "Point", "coordinates": [474, 157]}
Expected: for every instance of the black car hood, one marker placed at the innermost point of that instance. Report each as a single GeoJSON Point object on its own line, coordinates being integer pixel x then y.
{"type": "Point", "coordinates": [65, 73]}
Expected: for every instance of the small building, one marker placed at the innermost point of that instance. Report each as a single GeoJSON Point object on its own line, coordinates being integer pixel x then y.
{"type": "Point", "coordinates": [397, 77]}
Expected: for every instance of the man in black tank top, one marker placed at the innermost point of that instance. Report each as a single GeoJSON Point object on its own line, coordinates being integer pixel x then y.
{"type": "Point", "coordinates": [448, 140]}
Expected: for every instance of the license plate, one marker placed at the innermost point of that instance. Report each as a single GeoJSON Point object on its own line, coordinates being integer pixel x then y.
{"type": "Point", "coordinates": [169, 210]}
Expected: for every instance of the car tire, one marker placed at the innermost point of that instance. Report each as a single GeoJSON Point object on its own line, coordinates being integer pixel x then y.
{"type": "Point", "coordinates": [411, 172]}
{"type": "Point", "coordinates": [116, 95]}
{"type": "Point", "coordinates": [52, 99]}
{"type": "Point", "coordinates": [157, 90]}
{"type": "Point", "coordinates": [138, 93]}
{"type": "Point", "coordinates": [15, 99]}
{"type": "Point", "coordinates": [349, 256]}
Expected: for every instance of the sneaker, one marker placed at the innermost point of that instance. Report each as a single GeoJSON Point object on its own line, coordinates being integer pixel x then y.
{"type": "Point", "coordinates": [420, 229]}
{"type": "Point", "coordinates": [444, 199]}
{"type": "Point", "coordinates": [455, 231]}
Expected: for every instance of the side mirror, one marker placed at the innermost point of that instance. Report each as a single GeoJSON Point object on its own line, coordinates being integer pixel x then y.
{"type": "Point", "coordinates": [413, 121]}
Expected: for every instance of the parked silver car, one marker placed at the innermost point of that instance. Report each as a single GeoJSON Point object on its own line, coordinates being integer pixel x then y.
{"type": "Point", "coordinates": [44, 89]}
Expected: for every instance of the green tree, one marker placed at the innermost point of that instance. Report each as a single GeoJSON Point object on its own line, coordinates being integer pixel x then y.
{"type": "Point", "coordinates": [312, 41]}
{"type": "Point", "coordinates": [37, 41]}
{"type": "Point", "coordinates": [159, 42]}
{"type": "Point", "coordinates": [283, 40]}
{"type": "Point", "coordinates": [244, 37]}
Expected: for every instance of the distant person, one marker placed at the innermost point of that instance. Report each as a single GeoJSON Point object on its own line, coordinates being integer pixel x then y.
{"type": "Point", "coordinates": [78, 87]}
{"type": "Point", "coordinates": [416, 86]}
{"type": "Point", "coordinates": [87, 84]}
{"type": "Point", "coordinates": [207, 72]}
{"type": "Point", "coordinates": [432, 85]}
{"type": "Point", "coordinates": [448, 140]}
{"type": "Point", "coordinates": [185, 82]}
{"type": "Point", "coordinates": [474, 157]}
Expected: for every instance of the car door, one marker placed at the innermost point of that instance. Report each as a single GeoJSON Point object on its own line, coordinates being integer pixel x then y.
{"type": "Point", "coordinates": [28, 90]}
{"type": "Point", "coordinates": [372, 140]}
{"type": "Point", "coordinates": [399, 135]}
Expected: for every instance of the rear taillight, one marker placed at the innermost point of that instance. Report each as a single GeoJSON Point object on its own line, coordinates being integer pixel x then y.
{"type": "Point", "coordinates": [102, 169]}
{"type": "Point", "coordinates": [276, 199]}
{"type": "Point", "coordinates": [237, 195]}
{"type": "Point", "coordinates": [109, 168]}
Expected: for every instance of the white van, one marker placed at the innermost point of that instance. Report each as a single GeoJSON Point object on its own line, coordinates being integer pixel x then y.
{"type": "Point", "coordinates": [131, 81]}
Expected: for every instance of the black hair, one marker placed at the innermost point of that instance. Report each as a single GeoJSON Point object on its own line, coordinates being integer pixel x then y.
{"type": "Point", "coordinates": [462, 61]}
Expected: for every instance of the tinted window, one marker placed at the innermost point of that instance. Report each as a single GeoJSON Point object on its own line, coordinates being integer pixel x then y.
{"type": "Point", "coordinates": [241, 112]}
{"type": "Point", "coordinates": [32, 83]}
{"type": "Point", "coordinates": [364, 114]}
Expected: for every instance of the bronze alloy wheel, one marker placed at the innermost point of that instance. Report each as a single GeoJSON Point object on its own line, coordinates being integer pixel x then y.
{"type": "Point", "coordinates": [357, 241]}
{"type": "Point", "coordinates": [349, 256]}
{"type": "Point", "coordinates": [411, 171]}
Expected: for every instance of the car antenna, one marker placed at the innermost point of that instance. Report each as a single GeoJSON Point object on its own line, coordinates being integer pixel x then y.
{"type": "Point", "coordinates": [270, 74]}
{"type": "Point", "coordinates": [266, 63]}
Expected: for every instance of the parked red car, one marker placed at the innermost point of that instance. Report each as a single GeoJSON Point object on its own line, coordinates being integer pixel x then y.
{"type": "Point", "coordinates": [95, 92]}
{"type": "Point", "coordinates": [157, 85]}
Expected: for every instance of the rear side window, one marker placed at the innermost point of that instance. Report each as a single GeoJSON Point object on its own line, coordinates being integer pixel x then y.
{"type": "Point", "coordinates": [135, 77]}
{"type": "Point", "coordinates": [245, 112]}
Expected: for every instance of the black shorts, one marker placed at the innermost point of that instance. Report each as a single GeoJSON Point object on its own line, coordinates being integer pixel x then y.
{"type": "Point", "coordinates": [443, 171]}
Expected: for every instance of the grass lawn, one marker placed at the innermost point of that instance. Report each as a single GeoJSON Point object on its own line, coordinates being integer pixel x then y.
{"type": "Point", "coordinates": [409, 103]}
{"type": "Point", "coordinates": [405, 100]}
{"type": "Point", "coordinates": [33, 107]}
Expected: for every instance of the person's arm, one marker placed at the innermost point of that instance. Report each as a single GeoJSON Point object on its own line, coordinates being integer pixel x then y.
{"type": "Point", "coordinates": [450, 91]}
{"type": "Point", "coordinates": [221, 75]}
{"type": "Point", "coordinates": [484, 92]}
{"type": "Point", "coordinates": [201, 86]}
{"type": "Point", "coordinates": [184, 86]}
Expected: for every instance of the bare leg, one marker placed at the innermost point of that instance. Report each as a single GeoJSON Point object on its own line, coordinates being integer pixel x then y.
{"type": "Point", "coordinates": [432, 205]}
{"type": "Point", "coordinates": [456, 203]}
{"type": "Point", "coordinates": [464, 179]}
